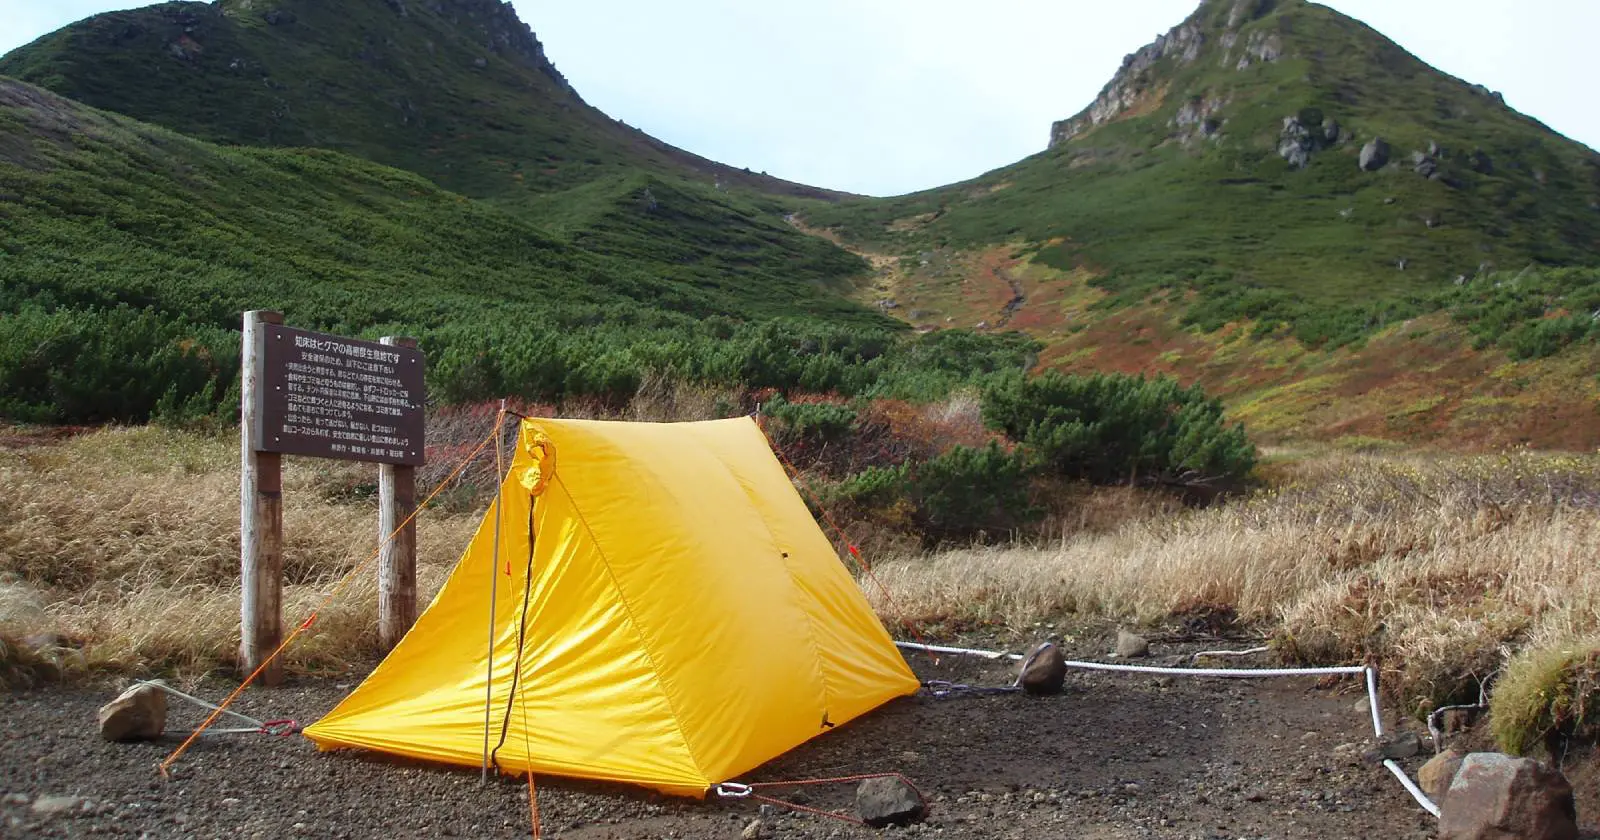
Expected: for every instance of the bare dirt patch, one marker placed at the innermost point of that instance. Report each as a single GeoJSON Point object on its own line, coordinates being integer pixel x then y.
{"type": "Point", "coordinates": [1114, 757]}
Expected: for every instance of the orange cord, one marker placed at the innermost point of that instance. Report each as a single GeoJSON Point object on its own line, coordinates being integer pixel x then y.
{"type": "Point", "coordinates": [332, 594]}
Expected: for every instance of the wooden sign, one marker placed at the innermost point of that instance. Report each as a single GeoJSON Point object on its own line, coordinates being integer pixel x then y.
{"type": "Point", "coordinates": [307, 393]}
{"type": "Point", "coordinates": [334, 397]}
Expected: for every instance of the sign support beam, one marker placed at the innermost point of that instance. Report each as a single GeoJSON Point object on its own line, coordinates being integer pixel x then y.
{"type": "Point", "coordinates": [397, 551]}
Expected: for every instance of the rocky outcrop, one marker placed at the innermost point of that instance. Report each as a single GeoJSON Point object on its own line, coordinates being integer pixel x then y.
{"type": "Point", "coordinates": [1134, 81]}
{"type": "Point", "coordinates": [1306, 134]}
{"type": "Point", "coordinates": [496, 26]}
{"type": "Point", "coordinates": [1260, 47]}
{"type": "Point", "coordinates": [1138, 81]}
{"type": "Point", "coordinates": [1199, 117]}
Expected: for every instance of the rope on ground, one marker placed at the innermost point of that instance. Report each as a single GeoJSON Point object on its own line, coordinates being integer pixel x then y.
{"type": "Point", "coordinates": [282, 726]}
{"type": "Point", "coordinates": [1411, 787]}
{"type": "Point", "coordinates": [941, 689]}
{"type": "Point", "coordinates": [736, 790]}
{"type": "Point", "coordinates": [855, 551]}
{"type": "Point", "coordinates": [311, 618]}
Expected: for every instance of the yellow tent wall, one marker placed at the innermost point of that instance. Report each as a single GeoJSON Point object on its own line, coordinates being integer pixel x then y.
{"type": "Point", "coordinates": [686, 619]}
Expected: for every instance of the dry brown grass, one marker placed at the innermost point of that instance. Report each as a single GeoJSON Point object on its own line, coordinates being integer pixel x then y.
{"type": "Point", "coordinates": [1436, 568]}
{"type": "Point", "coordinates": [1446, 571]}
{"type": "Point", "coordinates": [125, 542]}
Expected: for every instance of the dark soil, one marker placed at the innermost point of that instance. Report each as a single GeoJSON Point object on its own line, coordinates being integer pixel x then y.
{"type": "Point", "coordinates": [1114, 757]}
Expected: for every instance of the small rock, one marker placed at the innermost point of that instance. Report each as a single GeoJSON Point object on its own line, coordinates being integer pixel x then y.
{"type": "Point", "coordinates": [1498, 797]}
{"type": "Point", "coordinates": [888, 800]}
{"type": "Point", "coordinates": [1403, 745]}
{"type": "Point", "coordinates": [138, 714]}
{"type": "Point", "coordinates": [1130, 646]}
{"type": "Point", "coordinates": [14, 799]}
{"type": "Point", "coordinates": [1363, 706]}
{"type": "Point", "coordinates": [752, 831]}
{"type": "Point", "coordinates": [1434, 778]}
{"type": "Point", "coordinates": [51, 805]}
{"type": "Point", "coordinates": [1044, 671]}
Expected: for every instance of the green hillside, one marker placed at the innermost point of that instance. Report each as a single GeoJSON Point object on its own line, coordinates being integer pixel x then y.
{"type": "Point", "coordinates": [456, 90]}
{"type": "Point", "coordinates": [1226, 158]}
{"type": "Point", "coordinates": [127, 252]}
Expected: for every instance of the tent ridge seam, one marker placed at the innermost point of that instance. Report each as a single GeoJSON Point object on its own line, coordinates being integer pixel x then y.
{"type": "Point", "coordinates": [788, 571]}
{"type": "Point", "coordinates": [633, 621]}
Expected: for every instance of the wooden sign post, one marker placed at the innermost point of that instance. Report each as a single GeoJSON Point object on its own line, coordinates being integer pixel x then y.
{"type": "Point", "coordinates": [260, 516]}
{"type": "Point", "coordinates": [397, 554]}
{"type": "Point", "coordinates": [327, 396]}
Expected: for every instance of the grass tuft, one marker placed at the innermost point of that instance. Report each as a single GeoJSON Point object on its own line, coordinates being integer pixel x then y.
{"type": "Point", "coordinates": [1547, 694]}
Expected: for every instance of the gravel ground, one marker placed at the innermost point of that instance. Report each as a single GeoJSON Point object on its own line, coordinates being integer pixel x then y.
{"type": "Point", "coordinates": [1116, 756]}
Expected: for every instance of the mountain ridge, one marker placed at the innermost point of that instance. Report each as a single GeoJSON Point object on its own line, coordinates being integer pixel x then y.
{"type": "Point", "coordinates": [457, 90]}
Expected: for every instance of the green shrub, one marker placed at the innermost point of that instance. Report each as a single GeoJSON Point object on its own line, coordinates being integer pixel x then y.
{"type": "Point", "coordinates": [968, 493]}
{"type": "Point", "coordinates": [1109, 428]}
{"type": "Point", "coordinates": [807, 426]}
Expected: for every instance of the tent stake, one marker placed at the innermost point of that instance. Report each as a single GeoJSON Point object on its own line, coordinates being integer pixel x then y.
{"type": "Point", "coordinates": [494, 580]}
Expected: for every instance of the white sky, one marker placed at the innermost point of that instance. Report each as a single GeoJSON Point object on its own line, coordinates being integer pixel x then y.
{"type": "Point", "coordinates": [888, 96]}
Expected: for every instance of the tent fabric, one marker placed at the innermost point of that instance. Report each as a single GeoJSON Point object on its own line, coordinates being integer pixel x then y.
{"type": "Point", "coordinates": [686, 619]}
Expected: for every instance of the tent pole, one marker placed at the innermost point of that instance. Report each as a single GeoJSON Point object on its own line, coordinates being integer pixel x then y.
{"type": "Point", "coordinates": [494, 580]}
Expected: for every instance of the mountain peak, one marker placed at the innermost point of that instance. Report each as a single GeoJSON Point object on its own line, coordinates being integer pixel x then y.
{"type": "Point", "coordinates": [1226, 30]}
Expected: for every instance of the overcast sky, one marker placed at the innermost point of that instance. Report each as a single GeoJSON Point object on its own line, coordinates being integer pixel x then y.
{"type": "Point", "coordinates": [889, 96]}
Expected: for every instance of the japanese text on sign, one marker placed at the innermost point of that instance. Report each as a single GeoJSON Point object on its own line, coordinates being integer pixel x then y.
{"type": "Point", "coordinates": [336, 397]}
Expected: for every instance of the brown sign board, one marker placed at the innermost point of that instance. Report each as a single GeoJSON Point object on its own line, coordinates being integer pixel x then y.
{"type": "Point", "coordinates": [334, 397]}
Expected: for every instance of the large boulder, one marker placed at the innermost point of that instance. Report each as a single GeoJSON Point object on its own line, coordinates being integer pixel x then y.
{"type": "Point", "coordinates": [138, 714]}
{"type": "Point", "coordinates": [1500, 797]}
{"type": "Point", "coordinates": [1044, 671]}
{"type": "Point", "coordinates": [889, 800]}
{"type": "Point", "coordinates": [1375, 155]}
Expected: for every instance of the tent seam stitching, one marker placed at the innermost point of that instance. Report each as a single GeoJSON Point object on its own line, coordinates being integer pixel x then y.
{"type": "Point", "coordinates": [794, 583]}
{"type": "Point", "coordinates": [633, 620]}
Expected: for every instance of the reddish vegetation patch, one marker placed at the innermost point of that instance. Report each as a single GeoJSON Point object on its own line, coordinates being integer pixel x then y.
{"type": "Point", "coordinates": [23, 437]}
{"type": "Point", "coordinates": [988, 289]}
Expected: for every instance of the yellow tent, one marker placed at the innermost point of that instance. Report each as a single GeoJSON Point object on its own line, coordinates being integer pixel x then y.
{"type": "Point", "coordinates": [679, 620]}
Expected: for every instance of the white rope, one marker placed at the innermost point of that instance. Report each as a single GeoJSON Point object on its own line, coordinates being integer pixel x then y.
{"type": "Point", "coordinates": [1216, 653]}
{"type": "Point", "coordinates": [1372, 701]}
{"type": "Point", "coordinates": [987, 654]}
{"type": "Point", "coordinates": [1240, 673]}
{"type": "Point", "coordinates": [1411, 787]}
{"type": "Point", "coordinates": [255, 725]}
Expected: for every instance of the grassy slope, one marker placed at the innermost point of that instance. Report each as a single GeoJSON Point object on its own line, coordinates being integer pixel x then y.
{"type": "Point", "coordinates": [459, 92]}
{"type": "Point", "coordinates": [1129, 198]}
{"type": "Point", "coordinates": [97, 209]}
{"type": "Point", "coordinates": [1135, 241]}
